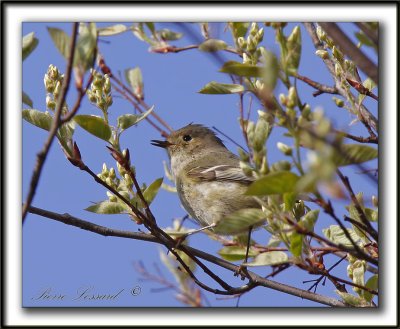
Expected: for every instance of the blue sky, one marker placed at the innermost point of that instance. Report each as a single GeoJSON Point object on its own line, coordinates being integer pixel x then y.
{"type": "Point", "coordinates": [68, 260]}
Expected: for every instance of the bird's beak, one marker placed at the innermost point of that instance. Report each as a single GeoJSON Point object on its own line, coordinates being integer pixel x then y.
{"type": "Point", "coordinates": [163, 144]}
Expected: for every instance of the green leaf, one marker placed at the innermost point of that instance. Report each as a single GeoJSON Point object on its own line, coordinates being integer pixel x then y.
{"type": "Point", "coordinates": [239, 29]}
{"type": "Point", "coordinates": [269, 258]}
{"type": "Point", "coordinates": [274, 241]}
{"type": "Point", "coordinates": [352, 299]}
{"type": "Point", "coordinates": [364, 39]}
{"type": "Point", "coordinates": [38, 118]}
{"type": "Point", "coordinates": [61, 40]}
{"type": "Point", "coordinates": [29, 43]}
{"type": "Point", "coordinates": [274, 183]}
{"type": "Point", "coordinates": [337, 235]}
{"type": "Point", "coordinates": [372, 283]}
{"type": "Point", "coordinates": [270, 69]}
{"type": "Point", "coordinates": [371, 214]}
{"type": "Point", "coordinates": [221, 88]}
{"type": "Point", "coordinates": [296, 244]}
{"type": "Point", "coordinates": [64, 135]}
{"type": "Point", "coordinates": [151, 27]}
{"type": "Point", "coordinates": [169, 35]}
{"type": "Point", "coordinates": [235, 253]}
{"type": "Point", "coordinates": [358, 272]}
{"type": "Point", "coordinates": [86, 46]}
{"type": "Point", "coordinates": [150, 193]}
{"type": "Point", "coordinates": [243, 70]}
{"type": "Point", "coordinates": [354, 154]}
{"type": "Point", "coordinates": [212, 45]}
{"type": "Point", "coordinates": [112, 30]}
{"type": "Point", "coordinates": [308, 220]}
{"type": "Point", "coordinates": [369, 84]}
{"type": "Point", "coordinates": [240, 221]}
{"type": "Point", "coordinates": [127, 120]}
{"type": "Point", "coordinates": [135, 79]}
{"type": "Point", "coordinates": [108, 208]}
{"type": "Point", "coordinates": [289, 199]}
{"type": "Point", "coordinates": [26, 99]}
{"type": "Point", "coordinates": [94, 125]}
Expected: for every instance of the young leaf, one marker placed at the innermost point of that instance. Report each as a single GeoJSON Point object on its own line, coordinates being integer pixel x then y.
{"type": "Point", "coordinates": [221, 88]}
{"type": "Point", "coordinates": [212, 45]}
{"type": "Point", "coordinates": [364, 39]}
{"type": "Point", "coordinates": [112, 30]}
{"type": "Point", "coordinates": [243, 70]}
{"type": "Point", "coordinates": [239, 29]}
{"type": "Point", "coordinates": [240, 221]}
{"type": "Point", "coordinates": [86, 46]}
{"type": "Point", "coordinates": [61, 40]}
{"type": "Point", "coordinates": [235, 253]}
{"type": "Point", "coordinates": [308, 220]}
{"type": "Point", "coordinates": [354, 154]}
{"type": "Point", "coordinates": [127, 120]}
{"type": "Point", "coordinates": [352, 299]}
{"type": "Point", "coordinates": [29, 43]}
{"type": "Point", "coordinates": [169, 35]}
{"type": "Point", "coordinates": [94, 125]}
{"type": "Point", "coordinates": [274, 183]}
{"type": "Point", "coordinates": [372, 283]}
{"type": "Point", "coordinates": [135, 79]}
{"type": "Point", "coordinates": [269, 258]}
{"type": "Point", "coordinates": [296, 244]}
{"type": "Point", "coordinates": [151, 191]}
{"type": "Point", "coordinates": [274, 241]}
{"type": "Point", "coordinates": [108, 208]}
{"type": "Point", "coordinates": [38, 118]}
{"type": "Point", "coordinates": [336, 234]}
{"type": "Point", "coordinates": [26, 99]}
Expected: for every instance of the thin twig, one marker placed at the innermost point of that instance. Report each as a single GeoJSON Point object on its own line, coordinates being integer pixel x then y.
{"type": "Point", "coordinates": [363, 217]}
{"type": "Point", "coordinates": [42, 155]}
{"type": "Point", "coordinates": [316, 85]}
{"type": "Point", "coordinates": [258, 280]}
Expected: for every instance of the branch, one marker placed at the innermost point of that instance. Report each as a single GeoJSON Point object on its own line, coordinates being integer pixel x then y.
{"type": "Point", "coordinates": [256, 279]}
{"type": "Point", "coordinates": [363, 217]}
{"type": "Point", "coordinates": [366, 117]}
{"type": "Point", "coordinates": [348, 47]}
{"type": "Point", "coordinates": [42, 155]}
{"type": "Point", "coordinates": [316, 85]}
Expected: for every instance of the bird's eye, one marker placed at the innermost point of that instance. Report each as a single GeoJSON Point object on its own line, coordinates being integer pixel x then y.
{"type": "Point", "coordinates": [187, 138]}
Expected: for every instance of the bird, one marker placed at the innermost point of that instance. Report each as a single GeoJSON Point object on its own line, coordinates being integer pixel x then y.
{"type": "Point", "coordinates": [209, 180]}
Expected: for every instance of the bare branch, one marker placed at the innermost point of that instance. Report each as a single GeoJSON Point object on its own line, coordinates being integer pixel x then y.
{"type": "Point", "coordinates": [42, 155]}
{"type": "Point", "coordinates": [316, 85]}
{"type": "Point", "coordinates": [256, 279]}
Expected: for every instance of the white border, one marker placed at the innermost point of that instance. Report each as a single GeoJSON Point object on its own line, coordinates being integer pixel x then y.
{"type": "Point", "coordinates": [15, 14]}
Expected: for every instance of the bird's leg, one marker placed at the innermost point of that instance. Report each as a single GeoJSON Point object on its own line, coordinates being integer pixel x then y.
{"type": "Point", "coordinates": [184, 236]}
{"type": "Point", "coordinates": [242, 268]}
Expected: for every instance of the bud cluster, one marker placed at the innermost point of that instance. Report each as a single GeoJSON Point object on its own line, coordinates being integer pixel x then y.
{"type": "Point", "coordinates": [53, 80]}
{"type": "Point", "coordinates": [99, 93]}
{"type": "Point", "coordinates": [249, 46]}
{"type": "Point", "coordinates": [257, 134]}
{"type": "Point", "coordinates": [108, 176]}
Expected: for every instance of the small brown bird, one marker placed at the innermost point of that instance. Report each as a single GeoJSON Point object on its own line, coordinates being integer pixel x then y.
{"type": "Point", "coordinates": [208, 177]}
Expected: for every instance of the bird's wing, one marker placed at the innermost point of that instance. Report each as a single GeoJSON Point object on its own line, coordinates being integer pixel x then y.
{"type": "Point", "coordinates": [220, 173]}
